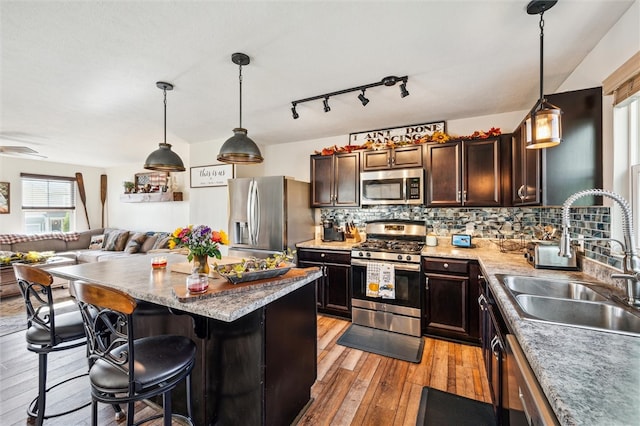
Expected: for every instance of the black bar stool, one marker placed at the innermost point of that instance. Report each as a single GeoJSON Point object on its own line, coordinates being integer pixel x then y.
{"type": "Point", "coordinates": [46, 332]}
{"type": "Point", "coordinates": [161, 362]}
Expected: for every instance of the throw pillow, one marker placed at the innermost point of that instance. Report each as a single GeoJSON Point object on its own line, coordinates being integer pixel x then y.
{"type": "Point", "coordinates": [96, 242]}
{"type": "Point", "coordinates": [163, 241]}
{"type": "Point", "coordinates": [135, 242]}
{"type": "Point", "coordinates": [149, 242]}
{"type": "Point", "coordinates": [115, 240]}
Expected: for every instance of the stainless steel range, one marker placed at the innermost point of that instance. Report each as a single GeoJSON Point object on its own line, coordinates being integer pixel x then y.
{"type": "Point", "coordinates": [390, 245]}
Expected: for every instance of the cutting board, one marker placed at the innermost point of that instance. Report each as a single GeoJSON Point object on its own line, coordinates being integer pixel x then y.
{"type": "Point", "coordinates": [219, 286]}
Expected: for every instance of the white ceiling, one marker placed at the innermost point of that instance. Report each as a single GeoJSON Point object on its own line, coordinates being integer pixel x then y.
{"type": "Point", "coordinates": [78, 77]}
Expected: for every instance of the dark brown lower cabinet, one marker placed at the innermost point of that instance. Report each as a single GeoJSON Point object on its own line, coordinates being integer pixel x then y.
{"type": "Point", "coordinates": [334, 288]}
{"type": "Point", "coordinates": [492, 340]}
{"type": "Point", "coordinates": [450, 304]}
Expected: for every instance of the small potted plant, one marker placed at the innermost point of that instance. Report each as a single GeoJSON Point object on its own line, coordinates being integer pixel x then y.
{"type": "Point", "coordinates": [128, 187]}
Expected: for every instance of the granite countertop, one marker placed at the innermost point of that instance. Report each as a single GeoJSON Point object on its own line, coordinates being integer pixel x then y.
{"type": "Point", "coordinates": [135, 276]}
{"type": "Point", "coordinates": [589, 377]}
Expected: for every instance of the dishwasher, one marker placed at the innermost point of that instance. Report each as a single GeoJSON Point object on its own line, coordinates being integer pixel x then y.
{"type": "Point", "coordinates": [527, 404]}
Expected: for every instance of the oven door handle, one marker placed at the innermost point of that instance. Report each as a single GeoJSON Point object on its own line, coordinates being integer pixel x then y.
{"type": "Point", "coordinates": [399, 266]}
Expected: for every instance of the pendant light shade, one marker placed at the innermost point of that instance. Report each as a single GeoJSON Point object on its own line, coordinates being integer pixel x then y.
{"type": "Point", "coordinates": [164, 159]}
{"type": "Point", "coordinates": [543, 125]}
{"type": "Point", "coordinates": [239, 148]}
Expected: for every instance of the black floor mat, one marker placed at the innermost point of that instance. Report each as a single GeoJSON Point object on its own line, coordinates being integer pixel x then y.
{"type": "Point", "coordinates": [446, 409]}
{"type": "Point", "coordinates": [394, 345]}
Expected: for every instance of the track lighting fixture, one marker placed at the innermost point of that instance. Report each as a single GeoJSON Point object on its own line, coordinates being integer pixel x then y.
{"type": "Point", "coordinates": [403, 90]}
{"type": "Point", "coordinates": [543, 125]}
{"type": "Point", "coordinates": [363, 98]}
{"type": "Point", "coordinates": [327, 108]}
{"type": "Point", "coordinates": [387, 81]}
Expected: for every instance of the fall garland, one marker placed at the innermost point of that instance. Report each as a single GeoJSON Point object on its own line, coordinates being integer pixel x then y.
{"type": "Point", "coordinates": [438, 137]}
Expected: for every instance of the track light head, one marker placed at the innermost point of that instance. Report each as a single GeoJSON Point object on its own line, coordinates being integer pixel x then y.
{"type": "Point", "coordinates": [294, 112]}
{"type": "Point", "coordinates": [403, 90]}
{"type": "Point", "coordinates": [363, 99]}
{"type": "Point", "coordinates": [327, 108]}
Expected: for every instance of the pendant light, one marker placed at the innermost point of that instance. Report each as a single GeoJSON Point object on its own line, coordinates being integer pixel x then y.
{"type": "Point", "coordinates": [543, 125]}
{"type": "Point", "coordinates": [163, 159]}
{"type": "Point", "coordinates": [239, 148]}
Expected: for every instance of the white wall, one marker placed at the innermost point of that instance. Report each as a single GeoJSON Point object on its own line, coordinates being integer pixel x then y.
{"type": "Point", "coordinates": [10, 169]}
{"type": "Point", "coordinates": [615, 48]}
{"type": "Point", "coordinates": [161, 216]}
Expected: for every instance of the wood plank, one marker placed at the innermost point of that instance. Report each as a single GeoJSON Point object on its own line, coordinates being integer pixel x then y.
{"type": "Point", "coordinates": [352, 387]}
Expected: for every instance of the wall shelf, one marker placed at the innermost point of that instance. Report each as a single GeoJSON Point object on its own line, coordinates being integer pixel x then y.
{"type": "Point", "coordinates": [147, 197]}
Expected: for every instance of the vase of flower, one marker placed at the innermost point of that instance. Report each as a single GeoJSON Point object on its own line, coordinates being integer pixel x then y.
{"type": "Point", "coordinates": [202, 243]}
{"type": "Point", "coordinates": [200, 264]}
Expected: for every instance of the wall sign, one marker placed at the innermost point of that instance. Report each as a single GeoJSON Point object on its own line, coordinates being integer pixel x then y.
{"type": "Point", "coordinates": [216, 175]}
{"type": "Point", "coordinates": [408, 134]}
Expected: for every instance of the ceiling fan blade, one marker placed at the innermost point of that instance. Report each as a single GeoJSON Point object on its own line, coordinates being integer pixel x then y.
{"type": "Point", "coordinates": [15, 150]}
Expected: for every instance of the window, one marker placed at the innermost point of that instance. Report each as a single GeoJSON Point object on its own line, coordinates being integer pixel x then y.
{"type": "Point", "coordinates": [48, 203]}
{"type": "Point", "coordinates": [624, 85]}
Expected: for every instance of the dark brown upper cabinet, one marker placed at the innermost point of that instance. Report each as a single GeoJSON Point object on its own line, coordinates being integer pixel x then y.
{"type": "Point", "coordinates": [464, 173]}
{"type": "Point", "coordinates": [335, 180]}
{"type": "Point", "coordinates": [393, 158]}
{"type": "Point", "coordinates": [575, 164]}
{"type": "Point", "coordinates": [526, 171]}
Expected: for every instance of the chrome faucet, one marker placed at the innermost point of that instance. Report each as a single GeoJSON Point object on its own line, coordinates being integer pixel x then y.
{"type": "Point", "coordinates": [631, 262]}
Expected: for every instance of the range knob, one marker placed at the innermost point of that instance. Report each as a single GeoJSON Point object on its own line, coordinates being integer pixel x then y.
{"type": "Point", "coordinates": [368, 254]}
{"type": "Point", "coordinates": [408, 257]}
{"type": "Point", "coordinates": [361, 254]}
{"type": "Point", "coordinates": [399, 257]}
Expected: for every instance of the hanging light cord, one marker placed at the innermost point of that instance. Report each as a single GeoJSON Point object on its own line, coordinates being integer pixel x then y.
{"type": "Point", "coordinates": [541, 54]}
{"type": "Point", "coordinates": [240, 80]}
{"type": "Point", "coordinates": [164, 90]}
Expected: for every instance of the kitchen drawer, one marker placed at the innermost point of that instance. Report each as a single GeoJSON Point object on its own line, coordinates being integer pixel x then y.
{"type": "Point", "coordinates": [324, 256]}
{"type": "Point", "coordinates": [431, 264]}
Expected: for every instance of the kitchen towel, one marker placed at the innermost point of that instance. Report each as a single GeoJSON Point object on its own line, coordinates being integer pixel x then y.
{"type": "Point", "coordinates": [381, 280]}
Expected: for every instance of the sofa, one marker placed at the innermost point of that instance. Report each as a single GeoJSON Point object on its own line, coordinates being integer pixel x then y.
{"type": "Point", "coordinates": [89, 246]}
{"type": "Point", "coordinates": [94, 245]}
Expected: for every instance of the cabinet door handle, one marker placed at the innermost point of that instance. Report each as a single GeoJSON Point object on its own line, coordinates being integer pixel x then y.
{"type": "Point", "coordinates": [480, 277]}
{"type": "Point", "coordinates": [445, 266]}
{"type": "Point", "coordinates": [426, 283]}
{"type": "Point", "coordinates": [322, 254]}
{"type": "Point", "coordinates": [521, 192]}
{"type": "Point", "coordinates": [496, 347]}
{"type": "Point", "coordinates": [482, 301]}
{"type": "Point", "coordinates": [458, 196]}
{"type": "Point", "coordinates": [464, 196]}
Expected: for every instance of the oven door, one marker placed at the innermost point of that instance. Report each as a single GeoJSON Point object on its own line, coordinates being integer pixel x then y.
{"type": "Point", "coordinates": [407, 283]}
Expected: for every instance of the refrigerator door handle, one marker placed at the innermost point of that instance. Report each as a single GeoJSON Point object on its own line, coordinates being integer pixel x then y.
{"type": "Point", "coordinates": [250, 212]}
{"type": "Point", "coordinates": [256, 212]}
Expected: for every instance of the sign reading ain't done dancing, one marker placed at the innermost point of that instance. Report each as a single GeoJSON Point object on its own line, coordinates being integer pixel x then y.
{"type": "Point", "coordinates": [397, 135]}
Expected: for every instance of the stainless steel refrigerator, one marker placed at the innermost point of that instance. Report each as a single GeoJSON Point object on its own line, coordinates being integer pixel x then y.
{"type": "Point", "coordinates": [268, 215]}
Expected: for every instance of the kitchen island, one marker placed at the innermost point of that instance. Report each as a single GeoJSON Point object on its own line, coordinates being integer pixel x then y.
{"type": "Point", "coordinates": [256, 359]}
{"type": "Point", "coordinates": [589, 377]}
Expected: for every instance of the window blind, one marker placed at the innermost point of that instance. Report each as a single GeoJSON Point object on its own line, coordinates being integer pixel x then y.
{"type": "Point", "coordinates": [625, 81]}
{"type": "Point", "coordinates": [41, 192]}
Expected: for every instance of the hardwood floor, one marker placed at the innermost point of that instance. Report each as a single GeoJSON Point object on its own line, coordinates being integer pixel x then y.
{"type": "Point", "coordinates": [352, 387]}
{"type": "Point", "coordinates": [361, 388]}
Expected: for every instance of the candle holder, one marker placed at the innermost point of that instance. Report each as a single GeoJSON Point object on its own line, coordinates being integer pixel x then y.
{"type": "Point", "coordinates": [197, 283]}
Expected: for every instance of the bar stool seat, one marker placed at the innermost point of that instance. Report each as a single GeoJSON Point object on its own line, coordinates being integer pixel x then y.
{"type": "Point", "coordinates": [47, 332]}
{"type": "Point", "coordinates": [159, 363]}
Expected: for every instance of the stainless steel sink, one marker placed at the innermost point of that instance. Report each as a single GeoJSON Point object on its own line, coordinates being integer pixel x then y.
{"type": "Point", "coordinates": [551, 287]}
{"type": "Point", "coordinates": [596, 315]}
{"type": "Point", "coordinates": [570, 302]}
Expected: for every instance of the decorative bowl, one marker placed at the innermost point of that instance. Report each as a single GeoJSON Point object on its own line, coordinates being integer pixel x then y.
{"type": "Point", "coordinates": [235, 274]}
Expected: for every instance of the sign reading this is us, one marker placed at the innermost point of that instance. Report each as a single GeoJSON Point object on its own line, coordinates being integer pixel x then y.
{"type": "Point", "coordinates": [216, 175]}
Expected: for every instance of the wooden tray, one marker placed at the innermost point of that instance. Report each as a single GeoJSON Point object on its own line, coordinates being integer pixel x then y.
{"type": "Point", "coordinates": [220, 286]}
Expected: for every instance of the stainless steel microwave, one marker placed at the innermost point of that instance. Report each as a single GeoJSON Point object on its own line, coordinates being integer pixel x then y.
{"type": "Point", "coordinates": [399, 186]}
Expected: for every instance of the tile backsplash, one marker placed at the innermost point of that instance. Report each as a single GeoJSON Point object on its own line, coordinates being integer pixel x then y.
{"type": "Point", "coordinates": [508, 223]}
